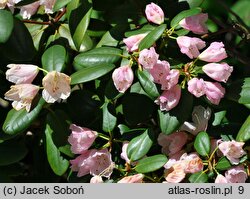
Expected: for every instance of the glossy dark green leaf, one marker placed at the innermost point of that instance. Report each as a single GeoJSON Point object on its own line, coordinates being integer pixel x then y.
{"type": "Point", "coordinates": [245, 92]}
{"type": "Point", "coordinates": [244, 132]}
{"type": "Point", "coordinates": [66, 150]}
{"type": "Point", "coordinates": [18, 121]}
{"type": "Point", "coordinates": [168, 123]}
{"type": "Point", "coordinates": [202, 144]}
{"type": "Point", "coordinates": [54, 58]}
{"type": "Point", "coordinates": [152, 37]}
{"type": "Point", "coordinates": [91, 73]}
{"type": "Point", "coordinates": [109, 120]}
{"type": "Point", "coordinates": [150, 164]}
{"type": "Point", "coordinates": [145, 29]}
{"type": "Point", "coordinates": [60, 4]}
{"type": "Point", "coordinates": [56, 161]}
{"type": "Point", "coordinates": [223, 164]}
{"type": "Point", "coordinates": [199, 177]}
{"type": "Point", "coordinates": [6, 25]}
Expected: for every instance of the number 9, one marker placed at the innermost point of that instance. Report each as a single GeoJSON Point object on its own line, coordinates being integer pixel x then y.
{"type": "Point", "coordinates": [241, 189]}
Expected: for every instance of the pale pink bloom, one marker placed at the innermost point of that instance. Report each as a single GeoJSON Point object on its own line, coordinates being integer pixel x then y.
{"type": "Point", "coordinates": [196, 23]}
{"type": "Point", "coordinates": [154, 13]}
{"type": "Point", "coordinates": [232, 150]}
{"type": "Point", "coordinates": [214, 53]}
{"type": "Point", "coordinates": [124, 154]}
{"type": "Point", "coordinates": [173, 159]}
{"type": "Point", "coordinates": [220, 179]}
{"type": "Point", "coordinates": [236, 174]}
{"type": "Point", "coordinates": [175, 174]}
{"type": "Point", "coordinates": [48, 5]}
{"type": "Point", "coordinates": [133, 42]}
{"type": "Point", "coordinates": [197, 87]}
{"type": "Point", "coordinates": [218, 71]}
{"type": "Point", "coordinates": [171, 79]}
{"type": "Point", "coordinates": [190, 46]}
{"type": "Point", "coordinates": [169, 98]}
{"type": "Point", "coordinates": [172, 143]}
{"type": "Point", "coordinates": [28, 10]}
{"type": "Point", "coordinates": [96, 179]}
{"type": "Point", "coordinates": [137, 178]}
{"type": "Point", "coordinates": [148, 58]}
{"type": "Point", "coordinates": [192, 163]}
{"type": "Point", "coordinates": [9, 3]}
{"type": "Point", "coordinates": [21, 73]}
{"type": "Point", "coordinates": [214, 92]}
{"type": "Point", "coordinates": [3, 3]}
{"type": "Point", "coordinates": [22, 95]}
{"type": "Point", "coordinates": [56, 86]}
{"type": "Point", "coordinates": [123, 78]}
{"type": "Point", "coordinates": [81, 138]}
{"type": "Point", "coordinates": [160, 71]}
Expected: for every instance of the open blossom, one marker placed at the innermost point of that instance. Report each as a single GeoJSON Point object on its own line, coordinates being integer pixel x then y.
{"type": "Point", "coordinates": [133, 42]}
{"type": "Point", "coordinates": [96, 179]}
{"type": "Point", "coordinates": [170, 80]}
{"type": "Point", "coordinates": [214, 53]}
{"type": "Point", "coordinates": [218, 71]}
{"type": "Point", "coordinates": [154, 13]}
{"type": "Point", "coordinates": [21, 73]}
{"type": "Point", "coordinates": [214, 92]}
{"type": "Point", "coordinates": [81, 138]}
{"type": "Point", "coordinates": [192, 163]}
{"type": "Point", "coordinates": [148, 58]}
{"type": "Point", "coordinates": [197, 87]}
{"type": "Point", "coordinates": [56, 86]}
{"type": "Point", "coordinates": [232, 150]}
{"type": "Point", "coordinates": [220, 179]}
{"type": "Point", "coordinates": [28, 10]}
{"type": "Point", "coordinates": [236, 174]}
{"type": "Point", "coordinates": [137, 178]}
{"type": "Point", "coordinates": [175, 174]}
{"type": "Point", "coordinates": [169, 98]}
{"type": "Point", "coordinates": [48, 5]}
{"type": "Point", "coordinates": [123, 78]}
{"type": "Point", "coordinates": [190, 46]}
{"type": "Point", "coordinates": [160, 71]}
{"type": "Point", "coordinates": [22, 95]}
{"type": "Point", "coordinates": [9, 3]}
{"type": "Point", "coordinates": [196, 23]}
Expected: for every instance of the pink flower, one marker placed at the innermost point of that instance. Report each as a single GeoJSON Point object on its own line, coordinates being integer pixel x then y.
{"type": "Point", "coordinates": [137, 178]}
{"type": "Point", "coordinates": [214, 53]}
{"type": "Point", "coordinates": [124, 154]}
{"type": "Point", "coordinates": [192, 163]}
{"type": "Point", "coordinates": [22, 95]}
{"type": "Point", "coordinates": [220, 179]}
{"type": "Point", "coordinates": [81, 138]}
{"type": "Point", "coordinates": [148, 58]}
{"type": "Point", "coordinates": [48, 5]}
{"type": "Point", "coordinates": [96, 179]}
{"type": "Point", "coordinates": [236, 174]}
{"type": "Point", "coordinates": [171, 80]}
{"type": "Point", "coordinates": [154, 14]}
{"type": "Point", "coordinates": [197, 87]}
{"type": "Point", "coordinates": [190, 46]}
{"type": "Point", "coordinates": [133, 42]}
{"type": "Point", "coordinates": [214, 92]}
{"type": "Point", "coordinates": [160, 71]}
{"type": "Point", "coordinates": [28, 10]}
{"type": "Point", "coordinates": [21, 73]}
{"type": "Point", "coordinates": [169, 98]}
{"type": "Point", "coordinates": [219, 72]}
{"type": "Point", "coordinates": [56, 86]}
{"type": "Point", "coordinates": [123, 78]}
{"type": "Point", "coordinates": [175, 174]}
{"type": "Point", "coordinates": [172, 143]}
{"type": "Point", "coordinates": [232, 150]}
{"type": "Point", "coordinates": [196, 23]}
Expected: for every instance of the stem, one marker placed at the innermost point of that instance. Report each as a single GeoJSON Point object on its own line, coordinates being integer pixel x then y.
{"type": "Point", "coordinates": [41, 69]}
{"type": "Point", "coordinates": [103, 136]}
{"type": "Point", "coordinates": [171, 37]}
{"type": "Point", "coordinates": [60, 15]}
{"type": "Point", "coordinates": [38, 22]}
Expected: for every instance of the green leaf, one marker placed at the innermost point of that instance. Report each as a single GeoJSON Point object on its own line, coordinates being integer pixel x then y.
{"type": "Point", "coordinates": [18, 121]}
{"type": "Point", "coordinates": [186, 13]}
{"type": "Point", "coordinates": [193, 3]}
{"type": "Point", "coordinates": [6, 25]}
{"type": "Point", "coordinates": [145, 29]}
{"type": "Point", "coordinates": [168, 123]}
{"type": "Point", "coordinates": [223, 164]}
{"type": "Point", "coordinates": [202, 144]}
{"type": "Point", "coordinates": [140, 145]}
{"type": "Point", "coordinates": [66, 150]}
{"type": "Point", "coordinates": [147, 84]}
{"type": "Point", "coordinates": [60, 4]}
{"type": "Point", "coordinates": [199, 177]}
{"type": "Point", "coordinates": [107, 40]}
{"type": "Point", "coordinates": [92, 73]}
{"type": "Point", "coordinates": [56, 161]}
{"type": "Point", "coordinates": [109, 120]}
{"type": "Point", "coordinates": [242, 9]}
{"type": "Point", "coordinates": [152, 37]}
{"type": "Point", "coordinates": [150, 164]}
{"type": "Point", "coordinates": [245, 92]}
{"type": "Point", "coordinates": [244, 132]}
{"type": "Point", "coordinates": [54, 58]}
{"type": "Point", "coordinates": [97, 56]}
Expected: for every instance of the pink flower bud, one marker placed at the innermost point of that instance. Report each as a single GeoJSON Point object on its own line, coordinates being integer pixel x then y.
{"type": "Point", "coordinates": [137, 178]}
{"type": "Point", "coordinates": [48, 5]}
{"type": "Point", "coordinates": [154, 14]}
{"type": "Point", "coordinates": [214, 92]}
{"type": "Point", "coordinates": [21, 73]}
{"type": "Point", "coordinates": [56, 86]}
{"type": "Point", "coordinates": [214, 53]}
{"type": "Point", "coordinates": [160, 71]}
{"type": "Point", "coordinates": [197, 87]}
{"type": "Point", "coordinates": [28, 10]}
{"type": "Point", "coordinates": [220, 72]}
{"type": "Point", "coordinates": [232, 150]}
{"type": "Point", "coordinates": [190, 46]}
{"type": "Point", "coordinates": [236, 174]}
{"type": "Point", "coordinates": [148, 58]}
{"type": "Point", "coordinates": [133, 42]}
{"type": "Point", "coordinates": [22, 95]}
{"type": "Point", "coordinates": [171, 79]}
{"type": "Point", "coordinates": [220, 179]}
{"type": "Point", "coordinates": [123, 78]}
{"type": "Point", "coordinates": [124, 154]}
{"type": "Point", "coordinates": [81, 138]}
{"type": "Point", "coordinates": [196, 23]}
{"type": "Point", "coordinates": [96, 179]}
{"type": "Point", "coordinates": [169, 98]}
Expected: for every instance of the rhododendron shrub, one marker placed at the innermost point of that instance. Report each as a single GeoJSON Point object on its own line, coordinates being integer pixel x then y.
{"type": "Point", "coordinates": [123, 92]}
